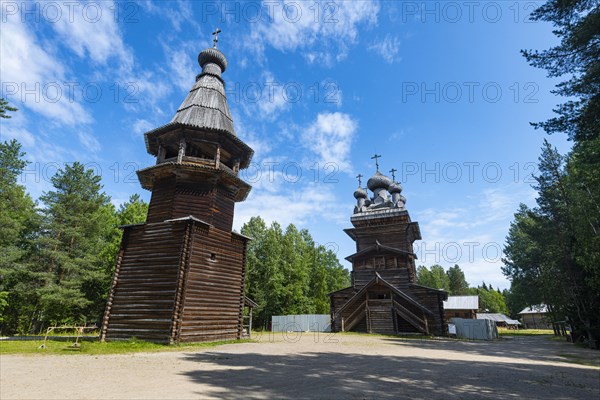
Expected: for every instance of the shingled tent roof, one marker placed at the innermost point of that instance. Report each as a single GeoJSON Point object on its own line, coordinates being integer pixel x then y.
{"type": "Point", "coordinates": [206, 106]}
{"type": "Point", "coordinates": [378, 247]}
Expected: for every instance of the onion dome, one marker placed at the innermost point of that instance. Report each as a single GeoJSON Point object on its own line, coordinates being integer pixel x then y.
{"type": "Point", "coordinates": [360, 193]}
{"type": "Point", "coordinates": [395, 188]}
{"type": "Point", "coordinates": [378, 181]}
{"type": "Point", "coordinates": [212, 61]}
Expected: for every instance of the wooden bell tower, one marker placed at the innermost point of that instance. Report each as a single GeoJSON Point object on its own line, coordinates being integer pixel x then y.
{"type": "Point", "coordinates": [384, 296]}
{"type": "Point", "coordinates": [180, 275]}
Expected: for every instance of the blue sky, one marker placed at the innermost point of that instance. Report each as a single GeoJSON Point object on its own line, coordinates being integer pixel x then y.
{"type": "Point", "coordinates": [438, 88]}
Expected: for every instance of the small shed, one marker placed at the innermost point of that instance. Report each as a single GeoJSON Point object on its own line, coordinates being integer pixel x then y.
{"type": "Point", "coordinates": [500, 319]}
{"type": "Point", "coordinates": [301, 323]}
{"type": "Point", "coordinates": [536, 317]}
{"type": "Point", "coordinates": [461, 307]}
{"type": "Point", "coordinates": [481, 329]}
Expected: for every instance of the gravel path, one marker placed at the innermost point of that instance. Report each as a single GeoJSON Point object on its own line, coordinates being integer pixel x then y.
{"type": "Point", "coordinates": [310, 366]}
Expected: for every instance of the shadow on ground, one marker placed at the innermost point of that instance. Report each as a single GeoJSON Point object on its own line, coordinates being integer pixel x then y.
{"type": "Point", "coordinates": [354, 376]}
{"type": "Point", "coordinates": [537, 348]}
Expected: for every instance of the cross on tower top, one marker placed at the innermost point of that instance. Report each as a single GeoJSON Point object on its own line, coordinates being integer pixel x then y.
{"type": "Point", "coordinates": [393, 172]}
{"type": "Point", "coordinates": [359, 176]}
{"type": "Point", "coordinates": [216, 37]}
{"type": "Point", "coordinates": [376, 158]}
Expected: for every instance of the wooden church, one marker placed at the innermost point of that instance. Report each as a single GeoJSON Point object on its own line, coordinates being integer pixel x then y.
{"type": "Point", "coordinates": [180, 275]}
{"type": "Point", "coordinates": [384, 297]}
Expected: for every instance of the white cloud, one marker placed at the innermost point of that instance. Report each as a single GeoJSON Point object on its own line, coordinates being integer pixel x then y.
{"type": "Point", "coordinates": [327, 29]}
{"type": "Point", "coordinates": [330, 138]}
{"type": "Point", "coordinates": [387, 48]}
{"type": "Point", "coordinates": [176, 12]}
{"type": "Point", "coordinates": [293, 204]}
{"type": "Point", "coordinates": [90, 29]}
{"type": "Point", "coordinates": [141, 126]}
{"type": "Point", "coordinates": [92, 32]}
{"type": "Point", "coordinates": [474, 232]}
{"type": "Point", "coordinates": [272, 99]}
{"type": "Point", "coordinates": [35, 78]}
{"type": "Point", "coordinates": [252, 138]}
{"type": "Point", "coordinates": [88, 141]}
{"type": "Point", "coordinates": [182, 68]}
{"type": "Point", "coordinates": [14, 128]}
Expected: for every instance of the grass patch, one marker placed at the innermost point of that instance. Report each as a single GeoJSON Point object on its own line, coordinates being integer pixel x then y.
{"type": "Point", "coordinates": [575, 359]}
{"type": "Point", "coordinates": [55, 347]}
{"type": "Point", "coordinates": [524, 332]}
{"type": "Point", "coordinates": [558, 338]}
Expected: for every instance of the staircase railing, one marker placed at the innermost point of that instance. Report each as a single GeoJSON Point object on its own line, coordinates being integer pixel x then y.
{"type": "Point", "coordinates": [410, 317]}
{"type": "Point", "coordinates": [352, 320]}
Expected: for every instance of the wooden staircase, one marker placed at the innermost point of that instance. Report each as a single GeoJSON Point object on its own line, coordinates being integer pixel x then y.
{"type": "Point", "coordinates": [383, 316]}
{"type": "Point", "coordinates": [380, 318]}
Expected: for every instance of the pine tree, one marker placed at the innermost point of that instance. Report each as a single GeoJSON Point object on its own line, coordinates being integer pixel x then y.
{"type": "Point", "coordinates": [19, 223]}
{"type": "Point", "coordinates": [577, 56]}
{"type": "Point", "coordinates": [4, 107]}
{"type": "Point", "coordinates": [78, 224]}
{"type": "Point", "coordinates": [457, 282]}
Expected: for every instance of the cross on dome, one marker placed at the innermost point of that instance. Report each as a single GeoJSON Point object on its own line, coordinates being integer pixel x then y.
{"type": "Point", "coordinates": [216, 37]}
{"type": "Point", "coordinates": [376, 158]}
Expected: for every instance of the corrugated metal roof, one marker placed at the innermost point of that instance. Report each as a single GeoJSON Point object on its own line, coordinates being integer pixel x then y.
{"type": "Point", "coordinates": [538, 309]}
{"type": "Point", "coordinates": [498, 318]}
{"type": "Point", "coordinates": [461, 303]}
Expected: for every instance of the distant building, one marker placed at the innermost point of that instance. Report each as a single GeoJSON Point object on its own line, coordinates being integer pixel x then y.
{"type": "Point", "coordinates": [461, 307]}
{"type": "Point", "coordinates": [536, 317]}
{"type": "Point", "coordinates": [500, 319]}
{"type": "Point", "coordinates": [384, 296]}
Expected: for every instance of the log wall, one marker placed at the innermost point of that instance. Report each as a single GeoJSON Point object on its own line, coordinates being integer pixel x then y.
{"type": "Point", "coordinates": [173, 198]}
{"type": "Point", "coordinates": [142, 299]}
{"type": "Point", "coordinates": [214, 291]}
{"type": "Point", "coordinates": [177, 281]}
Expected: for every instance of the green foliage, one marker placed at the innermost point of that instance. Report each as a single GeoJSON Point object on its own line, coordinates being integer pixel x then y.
{"type": "Point", "coordinates": [134, 211]}
{"type": "Point", "coordinates": [4, 107]}
{"type": "Point", "coordinates": [57, 262]}
{"type": "Point", "coordinates": [287, 273]}
{"type": "Point", "coordinates": [457, 284]}
{"type": "Point", "coordinates": [454, 282]}
{"type": "Point", "coordinates": [577, 56]}
{"type": "Point", "coordinates": [78, 223]}
{"type": "Point", "coordinates": [435, 277]}
{"type": "Point", "coordinates": [62, 347]}
{"type": "Point", "coordinates": [18, 226]}
{"type": "Point", "coordinates": [553, 251]}
{"type": "Point", "coordinates": [490, 300]}
{"type": "Point", "coordinates": [3, 304]}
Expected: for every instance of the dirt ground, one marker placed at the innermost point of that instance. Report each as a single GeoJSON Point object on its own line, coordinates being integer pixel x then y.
{"type": "Point", "coordinates": [312, 366]}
